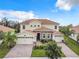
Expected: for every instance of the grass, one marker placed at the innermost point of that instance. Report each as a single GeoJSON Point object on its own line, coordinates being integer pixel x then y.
{"type": "Point", "coordinates": [3, 51]}
{"type": "Point", "coordinates": [38, 53]}
{"type": "Point", "coordinates": [62, 54]}
{"type": "Point", "coordinates": [72, 44]}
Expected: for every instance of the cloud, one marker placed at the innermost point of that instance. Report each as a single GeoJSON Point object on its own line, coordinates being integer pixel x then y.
{"type": "Point", "coordinates": [66, 4]}
{"type": "Point", "coordinates": [17, 15]}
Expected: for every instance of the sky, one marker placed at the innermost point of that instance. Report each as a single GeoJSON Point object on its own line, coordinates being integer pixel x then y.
{"type": "Point", "coordinates": [63, 11]}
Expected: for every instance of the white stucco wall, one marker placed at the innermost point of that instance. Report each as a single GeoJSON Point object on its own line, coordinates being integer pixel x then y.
{"type": "Point", "coordinates": [46, 36]}
{"type": "Point", "coordinates": [74, 36]}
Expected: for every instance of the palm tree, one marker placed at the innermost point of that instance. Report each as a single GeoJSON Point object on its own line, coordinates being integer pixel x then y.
{"type": "Point", "coordinates": [9, 39]}
{"type": "Point", "coordinates": [53, 51]}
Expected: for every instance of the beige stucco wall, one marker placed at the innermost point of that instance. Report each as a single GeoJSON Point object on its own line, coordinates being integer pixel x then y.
{"type": "Point", "coordinates": [28, 27]}
{"type": "Point", "coordinates": [52, 27]}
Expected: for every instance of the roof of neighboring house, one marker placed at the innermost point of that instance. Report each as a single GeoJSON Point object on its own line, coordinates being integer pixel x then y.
{"type": "Point", "coordinates": [43, 21]}
{"type": "Point", "coordinates": [42, 29]}
{"type": "Point", "coordinates": [76, 28]}
{"type": "Point", "coordinates": [5, 29]}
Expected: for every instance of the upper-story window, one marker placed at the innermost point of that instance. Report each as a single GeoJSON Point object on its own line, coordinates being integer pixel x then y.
{"type": "Point", "coordinates": [23, 26]}
{"type": "Point", "coordinates": [48, 35]}
{"type": "Point", "coordinates": [43, 35]}
{"type": "Point", "coordinates": [34, 25]}
{"type": "Point", "coordinates": [38, 25]}
{"type": "Point", "coordinates": [55, 27]}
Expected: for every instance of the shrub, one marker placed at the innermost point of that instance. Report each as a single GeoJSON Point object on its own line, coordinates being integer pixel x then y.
{"type": "Point", "coordinates": [44, 41]}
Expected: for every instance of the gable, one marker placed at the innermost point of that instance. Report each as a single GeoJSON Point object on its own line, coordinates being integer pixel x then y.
{"type": "Point", "coordinates": [42, 21]}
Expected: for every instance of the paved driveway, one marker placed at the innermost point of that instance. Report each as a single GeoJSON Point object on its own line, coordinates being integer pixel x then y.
{"type": "Point", "coordinates": [20, 50]}
{"type": "Point", "coordinates": [67, 51]}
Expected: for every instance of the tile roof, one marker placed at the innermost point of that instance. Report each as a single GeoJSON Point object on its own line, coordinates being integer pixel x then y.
{"type": "Point", "coordinates": [57, 32]}
{"type": "Point", "coordinates": [43, 21]}
{"type": "Point", "coordinates": [76, 29]}
{"type": "Point", "coordinates": [42, 29]}
{"type": "Point", "coordinates": [5, 29]}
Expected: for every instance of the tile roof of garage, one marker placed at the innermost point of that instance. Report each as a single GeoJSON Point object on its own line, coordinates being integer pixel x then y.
{"type": "Point", "coordinates": [5, 29]}
{"type": "Point", "coordinates": [57, 32]}
{"type": "Point", "coordinates": [43, 21]}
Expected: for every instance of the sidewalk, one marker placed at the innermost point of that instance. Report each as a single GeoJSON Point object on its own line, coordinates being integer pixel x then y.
{"type": "Point", "coordinates": [67, 51]}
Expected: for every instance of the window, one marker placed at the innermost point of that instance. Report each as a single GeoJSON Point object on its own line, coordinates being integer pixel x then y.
{"type": "Point", "coordinates": [23, 26]}
{"type": "Point", "coordinates": [31, 25]}
{"type": "Point", "coordinates": [55, 27]}
{"type": "Point", "coordinates": [43, 35]}
{"type": "Point", "coordinates": [48, 35]}
{"type": "Point", "coordinates": [34, 25]}
{"type": "Point", "coordinates": [38, 25]}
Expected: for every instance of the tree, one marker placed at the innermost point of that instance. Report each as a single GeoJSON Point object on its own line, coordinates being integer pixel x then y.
{"type": "Point", "coordinates": [4, 21]}
{"type": "Point", "coordinates": [9, 39]}
{"type": "Point", "coordinates": [53, 51]}
{"type": "Point", "coordinates": [10, 23]}
{"type": "Point", "coordinates": [66, 30]}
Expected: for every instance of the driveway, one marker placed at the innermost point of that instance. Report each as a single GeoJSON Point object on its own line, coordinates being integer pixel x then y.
{"type": "Point", "coordinates": [67, 51]}
{"type": "Point", "coordinates": [20, 50]}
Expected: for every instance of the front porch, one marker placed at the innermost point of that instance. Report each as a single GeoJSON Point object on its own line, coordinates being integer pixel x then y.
{"type": "Point", "coordinates": [44, 35]}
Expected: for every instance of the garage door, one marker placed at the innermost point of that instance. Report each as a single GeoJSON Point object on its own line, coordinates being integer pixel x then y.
{"type": "Point", "coordinates": [25, 40]}
{"type": "Point", "coordinates": [58, 38]}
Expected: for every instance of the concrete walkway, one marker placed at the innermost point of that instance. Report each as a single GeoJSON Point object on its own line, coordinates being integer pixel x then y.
{"type": "Point", "coordinates": [67, 51]}
{"type": "Point", "coordinates": [20, 51]}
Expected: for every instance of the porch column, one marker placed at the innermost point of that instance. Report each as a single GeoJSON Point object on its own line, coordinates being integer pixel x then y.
{"type": "Point", "coordinates": [51, 36]}
{"type": "Point", "coordinates": [40, 35]}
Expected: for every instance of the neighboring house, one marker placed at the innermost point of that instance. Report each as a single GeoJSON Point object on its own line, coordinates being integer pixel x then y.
{"type": "Point", "coordinates": [5, 29]}
{"type": "Point", "coordinates": [76, 32]}
{"type": "Point", "coordinates": [38, 29]}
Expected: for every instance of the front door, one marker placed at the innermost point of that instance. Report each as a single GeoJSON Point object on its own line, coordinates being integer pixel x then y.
{"type": "Point", "coordinates": [38, 36]}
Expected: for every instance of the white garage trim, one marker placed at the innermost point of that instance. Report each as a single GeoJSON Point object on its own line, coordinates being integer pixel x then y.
{"type": "Point", "coordinates": [26, 38]}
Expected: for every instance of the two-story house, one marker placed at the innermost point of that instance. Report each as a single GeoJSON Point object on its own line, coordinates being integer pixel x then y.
{"type": "Point", "coordinates": [38, 29]}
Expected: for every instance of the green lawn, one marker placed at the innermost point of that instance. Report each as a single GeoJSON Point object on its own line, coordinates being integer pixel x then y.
{"type": "Point", "coordinates": [3, 52]}
{"type": "Point", "coordinates": [72, 44]}
{"type": "Point", "coordinates": [38, 53]}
